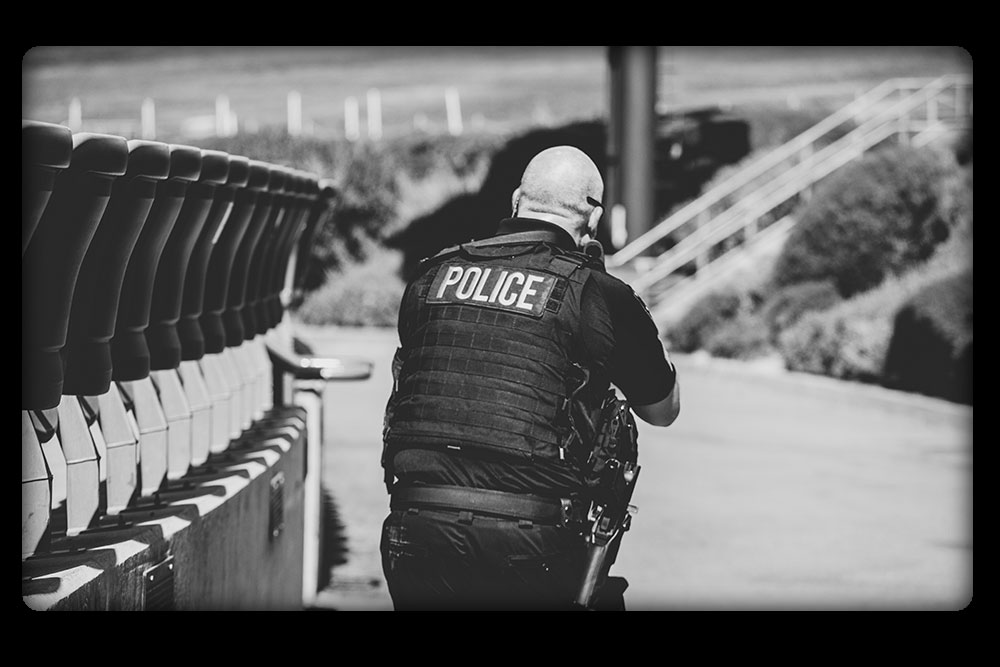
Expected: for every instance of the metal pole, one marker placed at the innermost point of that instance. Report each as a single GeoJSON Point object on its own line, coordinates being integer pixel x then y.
{"type": "Point", "coordinates": [613, 171]}
{"type": "Point", "coordinates": [638, 136]}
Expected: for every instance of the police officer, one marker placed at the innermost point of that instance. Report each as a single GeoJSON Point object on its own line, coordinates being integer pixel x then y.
{"type": "Point", "coordinates": [505, 343]}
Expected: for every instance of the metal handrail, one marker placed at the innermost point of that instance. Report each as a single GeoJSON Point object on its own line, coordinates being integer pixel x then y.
{"type": "Point", "coordinates": [673, 295]}
{"type": "Point", "coordinates": [789, 183]}
{"type": "Point", "coordinates": [774, 158]}
{"type": "Point", "coordinates": [737, 218]}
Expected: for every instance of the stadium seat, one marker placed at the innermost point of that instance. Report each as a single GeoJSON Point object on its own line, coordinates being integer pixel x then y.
{"type": "Point", "coordinates": [159, 382]}
{"type": "Point", "coordinates": [281, 279]}
{"type": "Point", "coordinates": [130, 353]}
{"type": "Point", "coordinates": [87, 354]}
{"type": "Point", "coordinates": [321, 211]}
{"type": "Point", "coordinates": [254, 314]}
{"type": "Point", "coordinates": [189, 329]}
{"type": "Point", "coordinates": [249, 204]}
{"type": "Point", "coordinates": [58, 458]}
{"type": "Point", "coordinates": [46, 150]}
{"type": "Point", "coordinates": [267, 214]}
{"type": "Point", "coordinates": [168, 291]}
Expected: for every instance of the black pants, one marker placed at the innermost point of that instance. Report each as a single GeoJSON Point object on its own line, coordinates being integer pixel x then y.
{"type": "Point", "coordinates": [444, 560]}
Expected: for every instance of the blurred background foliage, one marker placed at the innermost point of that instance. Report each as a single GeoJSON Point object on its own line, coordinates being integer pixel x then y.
{"type": "Point", "coordinates": [874, 284]}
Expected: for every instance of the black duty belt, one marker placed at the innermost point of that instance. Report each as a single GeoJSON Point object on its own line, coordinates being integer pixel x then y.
{"type": "Point", "coordinates": [484, 501]}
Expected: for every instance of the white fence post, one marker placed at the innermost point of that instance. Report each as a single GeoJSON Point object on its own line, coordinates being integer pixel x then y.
{"type": "Point", "coordinates": [374, 114]}
{"type": "Point", "coordinates": [75, 117]}
{"type": "Point", "coordinates": [352, 121]}
{"type": "Point", "coordinates": [294, 113]}
{"type": "Point", "coordinates": [222, 116]}
{"type": "Point", "coordinates": [148, 114]}
{"type": "Point", "coordinates": [453, 106]}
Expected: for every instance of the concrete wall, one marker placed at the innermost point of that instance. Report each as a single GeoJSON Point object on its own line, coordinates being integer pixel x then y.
{"type": "Point", "coordinates": [224, 556]}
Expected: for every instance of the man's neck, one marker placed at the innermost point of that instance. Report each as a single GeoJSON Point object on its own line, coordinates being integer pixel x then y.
{"type": "Point", "coordinates": [551, 218]}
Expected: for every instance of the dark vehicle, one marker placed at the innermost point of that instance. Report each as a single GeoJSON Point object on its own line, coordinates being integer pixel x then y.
{"type": "Point", "coordinates": [691, 145]}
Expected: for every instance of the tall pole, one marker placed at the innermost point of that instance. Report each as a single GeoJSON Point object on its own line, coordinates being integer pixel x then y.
{"type": "Point", "coordinates": [614, 214]}
{"type": "Point", "coordinates": [638, 137]}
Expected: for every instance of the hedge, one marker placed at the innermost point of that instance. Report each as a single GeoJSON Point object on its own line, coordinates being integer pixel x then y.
{"type": "Point", "coordinates": [786, 305]}
{"type": "Point", "coordinates": [362, 294]}
{"type": "Point", "coordinates": [704, 318]}
{"type": "Point", "coordinates": [874, 218]}
{"type": "Point", "coordinates": [931, 346]}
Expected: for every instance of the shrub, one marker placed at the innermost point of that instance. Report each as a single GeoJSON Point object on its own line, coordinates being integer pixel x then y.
{"type": "Point", "coordinates": [931, 346]}
{"type": "Point", "coordinates": [877, 217]}
{"type": "Point", "coordinates": [743, 337]}
{"type": "Point", "coordinates": [837, 345]}
{"type": "Point", "coordinates": [704, 318]}
{"type": "Point", "coordinates": [362, 294]}
{"type": "Point", "coordinates": [851, 339]}
{"type": "Point", "coordinates": [372, 180]}
{"type": "Point", "coordinates": [787, 304]}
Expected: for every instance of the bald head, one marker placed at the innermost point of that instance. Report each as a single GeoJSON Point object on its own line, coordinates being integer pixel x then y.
{"type": "Point", "coordinates": [555, 187]}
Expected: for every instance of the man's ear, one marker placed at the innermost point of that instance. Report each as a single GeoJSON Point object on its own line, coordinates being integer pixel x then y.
{"type": "Point", "coordinates": [514, 199]}
{"type": "Point", "coordinates": [595, 217]}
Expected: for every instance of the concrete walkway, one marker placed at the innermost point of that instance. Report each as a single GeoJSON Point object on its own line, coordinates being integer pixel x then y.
{"type": "Point", "coordinates": [772, 491]}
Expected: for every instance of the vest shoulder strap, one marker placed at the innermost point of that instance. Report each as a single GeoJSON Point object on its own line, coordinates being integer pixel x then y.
{"type": "Point", "coordinates": [442, 255]}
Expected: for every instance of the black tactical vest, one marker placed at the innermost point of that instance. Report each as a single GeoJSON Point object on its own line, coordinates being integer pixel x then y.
{"type": "Point", "coordinates": [491, 361]}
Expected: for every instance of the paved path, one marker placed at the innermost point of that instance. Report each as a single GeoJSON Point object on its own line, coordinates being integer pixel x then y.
{"type": "Point", "coordinates": [771, 491]}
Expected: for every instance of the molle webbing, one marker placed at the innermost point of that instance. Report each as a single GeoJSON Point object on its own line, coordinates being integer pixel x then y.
{"type": "Point", "coordinates": [480, 375]}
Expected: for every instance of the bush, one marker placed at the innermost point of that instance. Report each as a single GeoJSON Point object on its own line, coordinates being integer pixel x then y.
{"type": "Point", "coordinates": [362, 294]}
{"type": "Point", "coordinates": [371, 178]}
{"type": "Point", "coordinates": [705, 317]}
{"type": "Point", "coordinates": [931, 346]}
{"type": "Point", "coordinates": [877, 217]}
{"type": "Point", "coordinates": [787, 304]}
{"type": "Point", "coordinates": [837, 345]}
{"type": "Point", "coordinates": [851, 339]}
{"type": "Point", "coordinates": [745, 337]}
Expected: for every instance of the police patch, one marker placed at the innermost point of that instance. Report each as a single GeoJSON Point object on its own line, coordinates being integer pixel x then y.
{"type": "Point", "coordinates": [515, 290]}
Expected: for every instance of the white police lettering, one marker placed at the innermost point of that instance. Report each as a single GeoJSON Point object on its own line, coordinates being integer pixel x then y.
{"type": "Point", "coordinates": [511, 289]}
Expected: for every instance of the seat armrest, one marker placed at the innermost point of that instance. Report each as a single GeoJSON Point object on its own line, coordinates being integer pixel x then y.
{"type": "Point", "coordinates": [319, 368]}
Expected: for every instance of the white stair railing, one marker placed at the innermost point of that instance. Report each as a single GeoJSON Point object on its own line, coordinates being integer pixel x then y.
{"type": "Point", "coordinates": [917, 113]}
{"type": "Point", "coordinates": [862, 108]}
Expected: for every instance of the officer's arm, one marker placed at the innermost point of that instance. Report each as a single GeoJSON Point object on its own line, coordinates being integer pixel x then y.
{"type": "Point", "coordinates": [661, 413]}
{"type": "Point", "coordinates": [643, 370]}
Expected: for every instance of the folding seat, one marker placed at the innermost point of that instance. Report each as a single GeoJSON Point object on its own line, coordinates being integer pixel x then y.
{"type": "Point", "coordinates": [269, 214]}
{"type": "Point", "coordinates": [130, 352]}
{"type": "Point", "coordinates": [46, 150]}
{"type": "Point", "coordinates": [251, 206]}
{"type": "Point", "coordinates": [271, 307]}
{"type": "Point", "coordinates": [57, 456]}
{"type": "Point", "coordinates": [94, 310]}
{"type": "Point", "coordinates": [162, 336]}
{"type": "Point", "coordinates": [261, 430]}
{"type": "Point", "coordinates": [254, 313]}
{"type": "Point", "coordinates": [319, 213]}
{"type": "Point", "coordinates": [223, 213]}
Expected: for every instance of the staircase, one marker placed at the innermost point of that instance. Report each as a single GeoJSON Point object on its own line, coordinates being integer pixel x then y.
{"type": "Point", "coordinates": [739, 223]}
